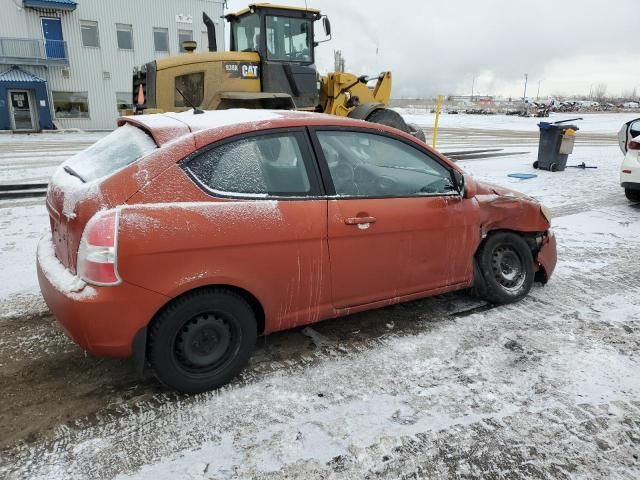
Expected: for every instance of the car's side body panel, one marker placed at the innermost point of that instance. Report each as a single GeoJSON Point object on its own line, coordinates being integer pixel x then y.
{"type": "Point", "coordinates": [414, 245]}
{"type": "Point", "coordinates": [275, 250]}
{"type": "Point", "coordinates": [630, 169]}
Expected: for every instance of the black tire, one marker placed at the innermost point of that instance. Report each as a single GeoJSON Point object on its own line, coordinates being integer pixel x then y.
{"type": "Point", "coordinates": [506, 265]}
{"type": "Point", "coordinates": [416, 131]}
{"type": "Point", "coordinates": [390, 118]}
{"type": "Point", "coordinates": [536, 164]}
{"type": "Point", "coordinates": [633, 195]}
{"type": "Point", "coordinates": [202, 340]}
{"type": "Point", "coordinates": [553, 167]}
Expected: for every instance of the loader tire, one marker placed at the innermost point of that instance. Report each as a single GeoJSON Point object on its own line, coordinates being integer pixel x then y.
{"type": "Point", "coordinates": [416, 131]}
{"type": "Point", "coordinates": [390, 118]}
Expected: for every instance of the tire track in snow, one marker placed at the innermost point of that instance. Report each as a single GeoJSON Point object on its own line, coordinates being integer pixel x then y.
{"type": "Point", "coordinates": [567, 298]}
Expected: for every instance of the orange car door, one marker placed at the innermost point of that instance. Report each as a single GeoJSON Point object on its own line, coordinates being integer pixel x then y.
{"type": "Point", "coordinates": [396, 225]}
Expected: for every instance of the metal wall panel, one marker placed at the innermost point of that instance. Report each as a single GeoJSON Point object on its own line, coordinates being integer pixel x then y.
{"type": "Point", "coordinates": [87, 65]}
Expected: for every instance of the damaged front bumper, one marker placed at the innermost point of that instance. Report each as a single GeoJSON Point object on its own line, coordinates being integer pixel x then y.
{"type": "Point", "coordinates": [547, 257]}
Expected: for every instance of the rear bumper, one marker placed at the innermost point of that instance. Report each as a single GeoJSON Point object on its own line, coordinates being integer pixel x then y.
{"type": "Point", "coordinates": [630, 185]}
{"type": "Point", "coordinates": [547, 256]}
{"type": "Point", "coordinates": [101, 320]}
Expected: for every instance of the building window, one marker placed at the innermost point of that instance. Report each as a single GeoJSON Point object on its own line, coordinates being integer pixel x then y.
{"type": "Point", "coordinates": [204, 44]}
{"type": "Point", "coordinates": [192, 87]}
{"type": "Point", "coordinates": [89, 30]}
{"type": "Point", "coordinates": [183, 36]}
{"type": "Point", "coordinates": [124, 100]}
{"type": "Point", "coordinates": [71, 104]}
{"type": "Point", "coordinates": [125, 36]}
{"type": "Point", "coordinates": [161, 39]}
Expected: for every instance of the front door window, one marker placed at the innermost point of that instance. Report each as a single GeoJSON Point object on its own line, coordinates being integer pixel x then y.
{"type": "Point", "coordinates": [368, 165]}
{"type": "Point", "coordinates": [21, 110]}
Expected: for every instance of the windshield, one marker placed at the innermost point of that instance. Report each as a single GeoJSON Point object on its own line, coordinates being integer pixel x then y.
{"type": "Point", "coordinates": [289, 39]}
{"type": "Point", "coordinates": [120, 148]}
{"type": "Point", "coordinates": [246, 33]}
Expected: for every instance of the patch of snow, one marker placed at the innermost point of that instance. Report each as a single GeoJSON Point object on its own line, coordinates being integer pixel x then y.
{"type": "Point", "coordinates": [60, 277]}
{"type": "Point", "coordinates": [591, 123]}
{"type": "Point", "coordinates": [21, 227]}
{"type": "Point", "coordinates": [225, 118]}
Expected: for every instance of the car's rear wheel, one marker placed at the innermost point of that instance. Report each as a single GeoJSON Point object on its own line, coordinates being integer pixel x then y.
{"type": "Point", "coordinates": [202, 340]}
{"type": "Point", "coordinates": [633, 195]}
{"type": "Point", "coordinates": [506, 266]}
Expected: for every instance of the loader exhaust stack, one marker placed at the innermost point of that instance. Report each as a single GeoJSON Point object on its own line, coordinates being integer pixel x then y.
{"type": "Point", "coordinates": [211, 32]}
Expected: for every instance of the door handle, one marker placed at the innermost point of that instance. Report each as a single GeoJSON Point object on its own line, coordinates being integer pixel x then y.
{"type": "Point", "coordinates": [359, 220]}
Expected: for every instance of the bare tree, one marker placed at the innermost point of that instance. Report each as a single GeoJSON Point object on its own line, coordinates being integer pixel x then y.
{"type": "Point", "coordinates": [600, 92]}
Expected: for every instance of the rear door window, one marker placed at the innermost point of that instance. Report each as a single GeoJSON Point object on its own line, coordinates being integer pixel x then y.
{"type": "Point", "coordinates": [120, 148]}
{"type": "Point", "coordinates": [265, 165]}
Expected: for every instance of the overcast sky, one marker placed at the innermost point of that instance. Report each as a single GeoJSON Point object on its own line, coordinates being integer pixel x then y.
{"type": "Point", "coordinates": [440, 46]}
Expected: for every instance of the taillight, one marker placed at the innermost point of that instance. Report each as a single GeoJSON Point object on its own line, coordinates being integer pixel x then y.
{"type": "Point", "coordinates": [634, 145]}
{"type": "Point", "coordinates": [98, 251]}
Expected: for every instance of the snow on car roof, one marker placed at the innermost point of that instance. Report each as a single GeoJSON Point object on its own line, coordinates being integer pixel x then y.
{"type": "Point", "coordinates": [164, 127]}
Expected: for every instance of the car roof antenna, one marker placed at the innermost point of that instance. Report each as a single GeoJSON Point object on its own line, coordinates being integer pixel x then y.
{"type": "Point", "coordinates": [196, 110]}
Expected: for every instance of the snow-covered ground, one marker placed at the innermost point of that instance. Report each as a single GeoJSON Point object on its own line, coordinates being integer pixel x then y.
{"type": "Point", "coordinates": [441, 388]}
{"type": "Point", "coordinates": [590, 123]}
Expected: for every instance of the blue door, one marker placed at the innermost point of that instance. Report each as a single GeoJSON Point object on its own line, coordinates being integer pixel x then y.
{"type": "Point", "coordinates": [53, 43]}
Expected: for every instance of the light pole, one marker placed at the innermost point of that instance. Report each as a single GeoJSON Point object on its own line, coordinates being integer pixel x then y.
{"type": "Point", "coordinates": [524, 95]}
{"type": "Point", "coordinates": [538, 95]}
{"type": "Point", "coordinates": [473, 84]}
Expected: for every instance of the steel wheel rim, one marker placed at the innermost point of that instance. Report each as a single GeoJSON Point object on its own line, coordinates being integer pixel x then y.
{"type": "Point", "coordinates": [205, 343]}
{"type": "Point", "coordinates": [507, 268]}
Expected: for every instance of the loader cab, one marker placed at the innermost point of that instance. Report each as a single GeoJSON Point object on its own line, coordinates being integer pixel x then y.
{"type": "Point", "coordinates": [284, 39]}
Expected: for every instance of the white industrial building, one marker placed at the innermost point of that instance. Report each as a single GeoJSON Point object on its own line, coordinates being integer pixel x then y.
{"type": "Point", "coordinates": [69, 63]}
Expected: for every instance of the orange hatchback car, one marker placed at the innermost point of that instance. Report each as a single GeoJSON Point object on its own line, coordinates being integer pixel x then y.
{"type": "Point", "coordinates": [179, 238]}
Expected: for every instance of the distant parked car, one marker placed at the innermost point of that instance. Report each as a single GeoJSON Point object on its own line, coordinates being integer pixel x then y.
{"type": "Point", "coordinates": [179, 238]}
{"type": "Point", "coordinates": [629, 140]}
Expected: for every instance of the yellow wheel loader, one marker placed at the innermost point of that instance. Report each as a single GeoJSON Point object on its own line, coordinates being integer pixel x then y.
{"type": "Point", "coordinates": [271, 64]}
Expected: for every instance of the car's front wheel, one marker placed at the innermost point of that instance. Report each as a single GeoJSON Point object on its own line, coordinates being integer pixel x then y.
{"type": "Point", "coordinates": [202, 340]}
{"type": "Point", "coordinates": [633, 195]}
{"type": "Point", "coordinates": [506, 265]}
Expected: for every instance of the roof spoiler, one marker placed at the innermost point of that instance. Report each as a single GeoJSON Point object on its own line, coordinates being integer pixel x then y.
{"type": "Point", "coordinates": [211, 32]}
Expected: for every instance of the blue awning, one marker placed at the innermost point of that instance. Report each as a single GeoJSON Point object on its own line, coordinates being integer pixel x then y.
{"type": "Point", "coordinates": [15, 74]}
{"type": "Point", "coordinates": [69, 5]}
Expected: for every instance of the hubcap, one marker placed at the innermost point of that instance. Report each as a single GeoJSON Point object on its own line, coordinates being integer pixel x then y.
{"type": "Point", "coordinates": [203, 342]}
{"type": "Point", "coordinates": [507, 267]}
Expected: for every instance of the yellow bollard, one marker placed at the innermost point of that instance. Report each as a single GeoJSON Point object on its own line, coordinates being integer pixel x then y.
{"type": "Point", "coordinates": [435, 126]}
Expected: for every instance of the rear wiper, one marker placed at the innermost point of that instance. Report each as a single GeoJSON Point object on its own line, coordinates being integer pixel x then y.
{"type": "Point", "coordinates": [71, 171]}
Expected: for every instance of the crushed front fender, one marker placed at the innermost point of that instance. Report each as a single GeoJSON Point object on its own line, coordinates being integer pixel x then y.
{"type": "Point", "coordinates": [547, 257]}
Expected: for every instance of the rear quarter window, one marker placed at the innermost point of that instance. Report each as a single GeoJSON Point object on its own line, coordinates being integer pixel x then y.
{"type": "Point", "coordinates": [265, 165]}
{"type": "Point", "coordinates": [117, 150]}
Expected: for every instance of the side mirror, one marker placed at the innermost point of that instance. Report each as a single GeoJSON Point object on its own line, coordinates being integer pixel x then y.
{"type": "Point", "coordinates": [470, 187]}
{"type": "Point", "coordinates": [458, 180]}
{"type": "Point", "coordinates": [327, 26]}
{"type": "Point", "coordinates": [464, 184]}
